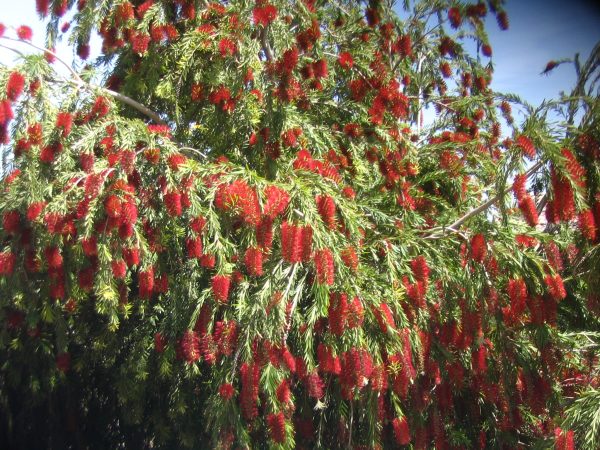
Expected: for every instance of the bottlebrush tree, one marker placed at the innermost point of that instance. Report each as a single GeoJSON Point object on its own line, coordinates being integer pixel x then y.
{"type": "Point", "coordinates": [234, 229]}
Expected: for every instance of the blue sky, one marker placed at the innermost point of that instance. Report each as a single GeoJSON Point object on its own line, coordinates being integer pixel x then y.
{"type": "Point", "coordinates": [540, 31]}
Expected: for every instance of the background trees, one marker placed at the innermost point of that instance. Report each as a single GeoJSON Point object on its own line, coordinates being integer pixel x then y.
{"type": "Point", "coordinates": [235, 229]}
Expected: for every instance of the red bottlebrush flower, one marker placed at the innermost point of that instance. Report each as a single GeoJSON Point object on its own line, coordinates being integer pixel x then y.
{"type": "Point", "coordinates": [345, 60]}
{"type": "Point", "coordinates": [264, 14]}
{"type": "Point", "coordinates": [478, 247]}
{"type": "Point", "coordinates": [283, 392]}
{"type": "Point", "coordinates": [517, 293]}
{"type": "Point", "coordinates": [24, 33]}
{"type": "Point", "coordinates": [194, 247]}
{"type": "Point", "coordinates": [276, 201]}
{"type": "Point", "coordinates": [445, 69]}
{"type": "Point", "coordinates": [7, 263]}
{"type": "Point", "coordinates": [64, 121]}
{"type": "Point", "coordinates": [289, 60]}
{"type": "Point", "coordinates": [324, 266]}
{"type": "Point", "coordinates": [454, 17]}
{"type": "Point", "coordinates": [587, 225]}
{"type": "Point", "coordinates": [288, 360]}
{"type": "Point", "coordinates": [207, 261]}
{"type": "Point", "coordinates": [314, 385]}
{"type": "Point", "coordinates": [11, 222]}
{"type": "Point", "coordinates": [119, 269]}
{"type": "Point", "coordinates": [90, 246]}
{"type": "Point", "coordinates": [34, 210]}
{"type": "Point", "coordinates": [139, 42]}
{"type": "Point", "coordinates": [83, 51]}
{"type": "Point", "coordinates": [63, 362]}
{"type": "Point", "coordinates": [556, 288]}
{"type": "Point", "coordinates": [401, 431]}
{"type": "Point", "coordinates": [518, 186]}
{"type": "Point", "coordinates": [486, 49]}
{"type": "Point", "coordinates": [131, 256]}
{"type": "Point", "coordinates": [553, 256]}
{"type": "Point", "coordinates": [502, 19]}
{"type": "Point", "coordinates": [53, 258]}
{"type": "Point", "coordinates": [173, 203]}
{"type": "Point", "coordinates": [146, 282]}
{"type": "Point", "coordinates": [227, 47]}
{"type": "Point", "coordinates": [320, 68]}
{"type": "Point", "coordinates": [526, 146]}
{"type": "Point", "coordinates": [338, 310]}
{"type": "Point", "coordinates": [112, 206]}
{"type": "Point", "coordinates": [479, 360]}
{"type": "Point", "coordinates": [189, 347]}
{"type": "Point", "coordinates": [14, 86]}
{"type": "Point", "coordinates": [264, 233]}
{"type": "Point", "coordinates": [85, 279]}
{"type": "Point", "coordinates": [420, 268]}
{"type": "Point", "coordinates": [529, 210]}
{"type": "Point", "coordinates": [220, 287]}
{"type": "Point", "coordinates": [250, 377]}
{"type": "Point", "coordinates": [226, 391]}
{"type": "Point", "coordinates": [100, 108]}
{"type": "Point", "coordinates": [350, 258]}
{"type": "Point", "coordinates": [565, 440]}
{"type": "Point", "coordinates": [356, 313]}
{"type": "Point", "coordinates": [6, 112]}
{"type": "Point", "coordinates": [306, 235]}
{"type": "Point", "coordinates": [276, 424]}
{"type": "Point", "coordinates": [160, 342]}
{"type": "Point", "coordinates": [176, 160]}
{"type": "Point", "coordinates": [197, 224]}
{"type": "Point", "coordinates": [41, 6]}
{"type": "Point", "coordinates": [326, 208]}
{"type": "Point", "coordinates": [253, 259]}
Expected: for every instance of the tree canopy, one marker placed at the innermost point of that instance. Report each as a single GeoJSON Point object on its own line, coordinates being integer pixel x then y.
{"type": "Point", "coordinates": [234, 228]}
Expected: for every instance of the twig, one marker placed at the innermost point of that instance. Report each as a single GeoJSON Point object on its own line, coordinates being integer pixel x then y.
{"type": "Point", "coordinates": [265, 45]}
{"type": "Point", "coordinates": [288, 324]}
{"type": "Point", "coordinates": [50, 52]}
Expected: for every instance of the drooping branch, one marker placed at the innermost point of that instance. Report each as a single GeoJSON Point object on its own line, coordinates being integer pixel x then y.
{"type": "Point", "coordinates": [483, 207]}
{"type": "Point", "coordinates": [78, 81]}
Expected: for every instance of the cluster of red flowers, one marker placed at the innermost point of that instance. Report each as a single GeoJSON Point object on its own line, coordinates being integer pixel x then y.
{"type": "Point", "coordinates": [276, 200]}
{"type": "Point", "coordinates": [305, 161]}
{"type": "Point", "coordinates": [478, 247]}
{"type": "Point", "coordinates": [356, 369]}
{"type": "Point", "coordinates": [526, 146]}
{"type": "Point", "coordinates": [296, 242]}
{"type": "Point", "coordinates": [556, 287]}
{"type": "Point", "coordinates": [276, 424]}
{"type": "Point", "coordinates": [401, 431]}
{"type": "Point", "coordinates": [220, 287]}
{"type": "Point", "coordinates": [250, 377]}
{"type": "Point", "coordinates": [240, 199]}
{"type": "Point", "coordinates": [264, 13]}
{"type": "Point", "coordinates": [221, 97]}
{"type": "Point", "coordinates": [454, 17]}
{"type": "Point", "coordinates": [253, 259]}
{"type": "Point", "coordinates": [188, 347]}
{"type": "Point", "coordinates": [587, 225]}
{"type": "Point", "coordinates": [565, 439]}
{"type": "Point", "coordinates": [324, 266]}
{"type": "Point", "coordinates": [326, 208]}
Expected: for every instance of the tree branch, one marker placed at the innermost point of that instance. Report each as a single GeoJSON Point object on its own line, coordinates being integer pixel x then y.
{"type": "Point", "coordinates": [78, 81]}
{"type": "Point", "coordinates": [456, 224]}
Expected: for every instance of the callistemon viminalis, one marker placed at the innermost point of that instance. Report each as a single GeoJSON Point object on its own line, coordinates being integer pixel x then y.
{"type": "Point", "coordinates": [255, 204]}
